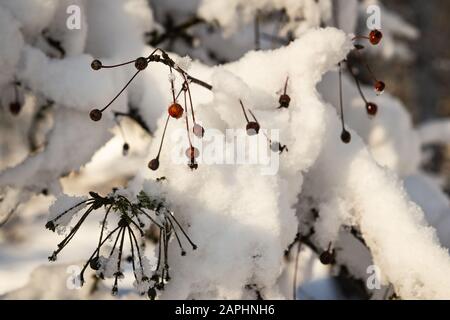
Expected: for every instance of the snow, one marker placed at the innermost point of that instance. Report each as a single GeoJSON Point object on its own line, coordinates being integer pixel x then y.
{"type": "Point", "coordinates": [242, 218]}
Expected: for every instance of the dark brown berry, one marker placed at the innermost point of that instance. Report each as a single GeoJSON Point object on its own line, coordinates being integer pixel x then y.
{"type": "Point", "coordinates": [284, 101]}
{"type": "Point", "coordinates": [379, 87]}
{"type": "Point", "coordinates": [125, 149]}
{"type": "Point", "coordinates": [95, 114]}
{"type": "Point", "coordinates": [154, 164]}
{"type": "Point", "coordinates": [327, 257]}
{"type": "Point", "coordinates": [252, 128]}
{"type": "Point", "coordinates": [346, 137]}
{"type": "Point", "coordinates": [96, 64]}
{"type": "Point", "coordinates": [375, 37]}
{"type": "Point", "coordinates": [198, 130]}
{"type": "Point", "coordinates": [371, 109]}
{"type": "Point", "coordinates": [176, 111]}
{"type": "Point", "coordinates": [95, 264]}
{"type": "Point", "coordinates": [15, 108]}
{"type": "Point", "coordinates": [141, 63]}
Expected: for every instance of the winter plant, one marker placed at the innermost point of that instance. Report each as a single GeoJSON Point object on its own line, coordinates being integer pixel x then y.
{"type": "Point", "coordinates": [344, 189]}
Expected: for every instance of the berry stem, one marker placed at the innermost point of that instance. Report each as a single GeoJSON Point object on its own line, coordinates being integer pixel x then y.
{"type": "Point", "coordinates": [121, 91]}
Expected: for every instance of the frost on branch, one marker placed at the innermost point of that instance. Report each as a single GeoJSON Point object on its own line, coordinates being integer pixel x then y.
{"type": "Point", "coordinates": [326, 172]}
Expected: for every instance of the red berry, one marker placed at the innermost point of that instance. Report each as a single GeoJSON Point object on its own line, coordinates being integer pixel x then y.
{"type": "Point", "coordinates": [379, 87]}
{"type": "Point", "coordinates": [176, 111]}
{"type": "Point", "coordinates": [95, 115]}
{"type": "Point", "coordinates": [375, 37]}
{"type": "Point", "coordinates": [371, 109]}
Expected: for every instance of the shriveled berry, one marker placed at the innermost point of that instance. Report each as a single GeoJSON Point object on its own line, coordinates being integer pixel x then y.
{"type": "Point", "coordinates": [252, 128]}
{"type": "Point", "coordinates": [375, 37]}
{"type": "Point", "coordinates": [371, 109]}
{"type": "Point", "coordinates": [284, 101]}
{"type": "Point", "coordinates": [346, 137]}
{"type": "Point", "coordinates": [141, 63]}
{"type": "Point", "coordinates": [96, 64]}
{"type": "Point", "coordinates": [154, 164]}
{"type": "Point", "coordinates": [95, 114]}
{"type": "Point", "coordinates": [176, 111]}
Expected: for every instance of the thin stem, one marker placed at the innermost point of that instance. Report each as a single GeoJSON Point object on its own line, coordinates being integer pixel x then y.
{"type": "Point", "coordinates": [162, 138]}
{"type": "Point", "coordinates": [341, 103]}
{"type": "Point", "coordinates": [73, 207]}
{"type": "Point", "coordinates": [121, 91]}
{"type": "Point", "coordinates": [137, 248]}
{"type": "Point", "coordinates": [297, 258]}
{"type": "Point", "coordinates": [187, 121]}
{"type": "Point", "coordinates": [183, 252]}
{"type": "Point", "coordinates": [95, 252]}
{"type": "Point", "coordinates": [172, 85]}
{"type": "Point", "coordinates": [243, 109]}
{"type": "Point", "coordinates": [118, 65]}
{"type": "Point", "coordinates": [194, 246]}
{"type": "Point", "coordinates": [132, 254]}
{"type": "Point", "coordinates": [358, 85]}
{"type": "Point", "coordinates": [103, 226]}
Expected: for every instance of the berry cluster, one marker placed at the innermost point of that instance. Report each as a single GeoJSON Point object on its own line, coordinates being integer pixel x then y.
{"type": "Point", "coordinates": [175, 110]}
{"type": "Point", "coordinates": [133, 219]}
{"type": "Point", "coordinates": [374, 38]}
